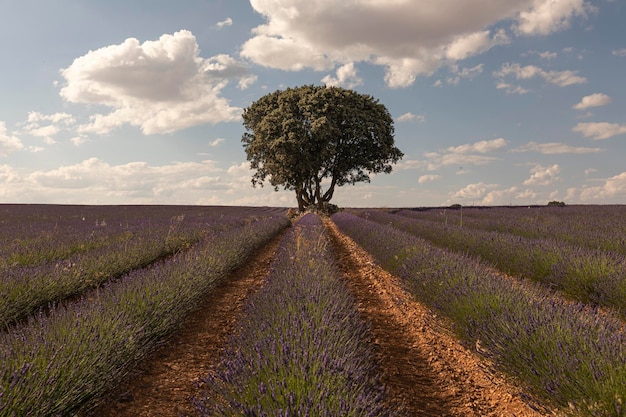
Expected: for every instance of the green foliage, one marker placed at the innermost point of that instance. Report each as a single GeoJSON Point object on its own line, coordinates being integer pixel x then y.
{"type": "Point", "coordinates": [300, 137]}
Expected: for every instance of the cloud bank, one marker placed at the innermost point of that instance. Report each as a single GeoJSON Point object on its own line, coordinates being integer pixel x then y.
{"type": "Point", "coordinates": [94, 181]}
{"type": "Point", "coordinates": [408, 37]}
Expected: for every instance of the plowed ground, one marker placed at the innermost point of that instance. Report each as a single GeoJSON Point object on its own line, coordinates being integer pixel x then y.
{"type": "Point", "coordinates": [426, 370]}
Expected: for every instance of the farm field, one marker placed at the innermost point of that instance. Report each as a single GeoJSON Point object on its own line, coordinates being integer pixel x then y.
{"type": "Point", "coordinates": [356, 314]}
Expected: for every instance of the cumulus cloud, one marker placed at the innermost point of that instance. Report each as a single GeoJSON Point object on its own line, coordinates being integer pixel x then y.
{"type": "Point", "coordinates": [482, 146]}
{"type": "Point", "coordinates": [518, 72]}
{"type": "Point", "coordinates": [408, 37]}
{"type": "Point", "coordinates": [8, 142]}
{"type": "Point", "coordinates": [545, 54]}
{"type": "Point", "coordinates": [461, 73]}
{"type": "Point", "coordinates": [474, 192]}
{"type": "Point", "coordinates": [226, 22]}
{"type": "Point", "coordinates": [553, 148]}
{"type": "Point", "coordinates": [492, 194]}
{"type": "Point", "coordinates": [510, 88]}
{"type": "Point", "coordinates": [468, 154]}
{"type": "Point", "coordinates": [78, 140]}
{"type": "Point", "coordinates": [160, 86]}
{"type": "Point", "coordinates": [541, 175]}
{"type": "Point", "coordinates": [593, 100]}
{"type": "Point", "coordinates": [216, 142]}
{"type": "Point", "coordinates": [599, 130]}
{"type": "Point", "coordinates": [346, 77]}
{"type": "Point", "coordinates": [612, 190]}
{"type": "Point", "coordinates": [619, 52]}
{"type": "Point", "coordinates": [548, 16]}
{"type": "Point", "coordinates": [428, 178]}
{"type": "Point", "coordinates": [408, 117]}
{"type": "Point", "coordinates": [476, 43]}
{"type": "Point", "coordinates": [46, 126]}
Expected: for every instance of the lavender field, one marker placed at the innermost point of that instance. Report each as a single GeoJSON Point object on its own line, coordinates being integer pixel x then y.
{"type": "Point", "coordinates": [82, 324]}
{"type": "Point", "coordinates": [86, 292]}
{"type": "Point", "coordinates": [557, 323]}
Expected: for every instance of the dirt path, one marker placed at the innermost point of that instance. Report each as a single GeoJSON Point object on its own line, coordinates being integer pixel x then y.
{"type": "Point", "coordinates": [423, 365]}
{"type": "Point", "coordinates": [163, 384]}
{"type": "Point", "coordinates": [426, 370]}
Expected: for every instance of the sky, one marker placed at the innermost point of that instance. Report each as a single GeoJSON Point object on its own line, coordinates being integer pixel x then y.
{"type": "Point", "coordinates": [495, 102]}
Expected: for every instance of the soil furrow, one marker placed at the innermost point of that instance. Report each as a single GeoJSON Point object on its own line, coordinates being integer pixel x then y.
{"type": "Point", "coordinates": [163, 384]}
{"type": "Point", "coordinates": [423, 366]}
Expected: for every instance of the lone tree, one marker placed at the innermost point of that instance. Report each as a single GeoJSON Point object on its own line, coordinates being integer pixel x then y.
{"type": "Point", "coordinates": [311, 139]}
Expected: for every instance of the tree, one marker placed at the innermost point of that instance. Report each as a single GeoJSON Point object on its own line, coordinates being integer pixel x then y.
{"type": "Point", "coordinates": [311, 139]}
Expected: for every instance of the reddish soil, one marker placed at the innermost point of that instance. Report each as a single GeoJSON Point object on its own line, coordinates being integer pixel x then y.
{"type": "Point", "coordinates": [423, 365]}
{"type": "Point", "coordinates": [426, 370]}
{"type": "Point", "coordinates": [163, 384]}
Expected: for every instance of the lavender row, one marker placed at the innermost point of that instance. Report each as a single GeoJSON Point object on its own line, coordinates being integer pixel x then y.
{"type": "Point", "coordinates": [303, 349]}
{"type": "Point", "coordinates": [62, 362]}
{"type": "Point", "coordinates": [567, 353]}
{"type": "Point", "coordinates": [587, 275]}
{"type": "Point", "coordinates": [595, 227]}
{"type": "Point", "coordinates": [25, 289]}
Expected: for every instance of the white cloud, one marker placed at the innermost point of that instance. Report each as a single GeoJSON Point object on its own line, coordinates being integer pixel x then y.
{"type": "Point", "coordinates": [285, 54]}
{"type": "Point", "coordinates": [8, 175]}
{"type": "Point", "coordinates": [44, 131]}
{"type": "Point", "coordinates": [94, 181]}
{"type": "Point", "coordinates": [408, 37]}
{"type": "Point", "coordinates": [545, 54]}
{"type": "Point", "coordinates": [613, 190]}
{"type": "Point", "coordinates": [469, 154]}
{"type": "Point", "coordinates": [461, 159]}
{"type": "Point", "coordinates": [474, 44]}
{"type": "Point", "coordinates": [548, 16]}
{"type": "Point", "coordinates": [160, 86]}
{"type": "Point", "coordinates": [601, 130]}
{"type": "Point", "coordinates": [245, 82]}
{"type": "Point", "coordinates": [226, 22]}
{"type": "Point", "coordinates": [216, 142]}
{"type": "Point", "coordinates": [491, 194]}
{"type": "Point", "coordinates": [407, 164]}
{"type": "Point", "coordinates": [464, 73]}
{"type": "Point", "coordinates": [559, 78]}
{"type": "Point", "coordinates": [590, 171]}
{"type": "Point", "coordinates": [8, 142]}
{"type": "Point", "coordinates": [543, 175]}
{"type": "Point", "coordinates": [346, 77]}
{"type": "Point", "coordinates": [552, 148]}
{"type": "Point", "coordinates": [65, 118]}
{"type": "Point", "coordinates": [593, 100]}
{"type": "Point", "coordinates": [411, 37]}
{"type": "Point", "coordinates": [407, 117]}
{"type": "Point", "coordinates": [474, 192]}
{"type": "Point", "coordinates": [78, 140]}
{"type": "Point", "coordinates": [428, 178]}
{"type": "Point", "coordinates": [46, 126]}
{"type": "Point", "coordinates": [482, 146]}
{"type": "Point", "coordinates": [510, 88]}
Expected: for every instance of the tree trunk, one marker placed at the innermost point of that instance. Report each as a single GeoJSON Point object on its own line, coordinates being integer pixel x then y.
{"type": "Point", "coordinates": [318, 194]}
{"type": "Point", "coordinates": [300, 202]}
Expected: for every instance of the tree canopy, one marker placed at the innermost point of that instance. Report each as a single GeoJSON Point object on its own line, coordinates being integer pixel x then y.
{"type": "Point", "coordinates": [311, 139]}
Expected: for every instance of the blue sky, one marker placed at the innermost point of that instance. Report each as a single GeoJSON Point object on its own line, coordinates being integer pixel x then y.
{"type": "Point", "coordinates": [495, 102]}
